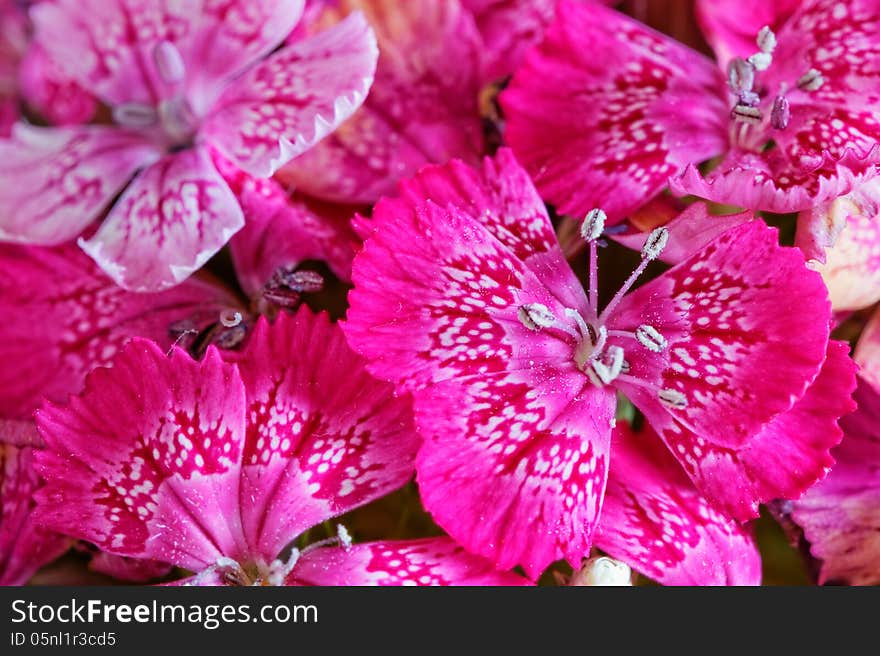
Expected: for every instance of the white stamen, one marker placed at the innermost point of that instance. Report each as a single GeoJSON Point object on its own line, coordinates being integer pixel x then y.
{"type": "Point", "coordinates": [740, 75]}
{"type": "Point", "coordinates": [535, 316]}
{"type": "Point", "coordinates": [135, 115]}
{"type": "Point", "coordinates": [655, 244]}
{"type": "Point", "coordinates": [812, 80]}
{"type": "Point", "coordinates": [746, 114]}
{"type": "Point", "coordinates": [583, 328]}
{"type": "Point", "coordinates": [169, 62]}
{"type": "Point", "coordinates": [761, 60]}
{"type": "Point", "coordinates": [610, 367]}
{"type": "Point", "coordinates": [602, 571]}
{"type": "Point", "coordinates": [672, 399]}
{"type": "Point", "coordinates": [593, 225]}
{"type": "Point", "coordinates": [766, 40]}
{"type": "Point", "coordinates": [344, 536]}
{"type": "Point", "coordinates": [650, 338]}
{"type": "Point", "coordinates": [230, 318]}
{"type": "Point", "coordinates": [278, 570]}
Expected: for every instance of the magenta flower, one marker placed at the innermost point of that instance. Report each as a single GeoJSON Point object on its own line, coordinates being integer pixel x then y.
{"type": "Point", "coordinates": [64, 317]}
{"type": "Point", "coordinates": [24, 545]}
{"type": "Point", "coordinates": [180, 82]}
{"type": "Point", "coordinates": [154, 459]}
{"type": "Point", "coordinates": [462, 296]}
{"type": "Point", "coordinates": [606, 111]}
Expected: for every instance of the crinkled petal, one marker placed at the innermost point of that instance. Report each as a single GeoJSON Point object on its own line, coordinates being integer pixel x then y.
{"type": "Point", "coordinates": [429, 561]}
{"type": "Point", "coordinates": [55, 181]}
{"type": "Point", "coordinates": [296, 97]}
{"type": "Point", "coordinates": [108, 46]}
{"type": "Point", "coordinates": [773, 183]}
{"type": "Point", "coordinates": [64, 317]}
{"type": "Point", "coordinates": [282, 232]}
{"type": "Point", "coordinates": [731, 26]}
{"type": "Point", "coordinates": [867, 354]}
{"type": "Point", "coordinates": [839, 515]}
{"type": "Point", "coordinates": [783, 459]}
{"type": "Point", "coordinates": [758, 324]}
{"type": "Point", "coordinates": [25, 546]}
{"type": "Point", "coordinates": [323, 436]}
{"type": "Point", "coordinates": [654, 519]}
{"type": "Point", "coordinates": [145, 462]}
{"type": "Point", "coordinates": [170, 220]}
{"type": "Point", "coordinates": [422, 108]}
{"type": "Point", "coordinates": [516, 437]}
{"type": "Point", "coordinates": [605, 125]}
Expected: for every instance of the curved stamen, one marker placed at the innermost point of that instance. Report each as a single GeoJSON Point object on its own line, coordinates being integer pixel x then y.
{"type": "Point", "coordinates": [169, 62]}
{"type": "Point", "coordinates": [135, 115]}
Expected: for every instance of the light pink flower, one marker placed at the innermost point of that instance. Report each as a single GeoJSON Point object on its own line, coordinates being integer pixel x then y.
{"type": "Point", "coordinates": [218, 467]}
{"type": "Point", "coordinates": [606, 112]}
{"type": "Point", "coordinates": [179, 79]}
{"type": "Point", "coordinates": [462, 297]}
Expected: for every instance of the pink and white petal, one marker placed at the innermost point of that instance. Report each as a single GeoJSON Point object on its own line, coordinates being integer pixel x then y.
{"type": "Point", "coordinates": [171, 220]}
{"type": "Point", "coordinates": [55, 181]}
{"type": "Point", "coordinates": [130, 570]}
{"type": "Point", "coordinates": [429, 561]}
{"type": "Point", "coordinates": [655, 520]}
{"type": "Point", "coordinates": [731, 26]}
{"type": "Point", "coordinates": [689, 232]}
{"type": "Point", "coordinates": [780, 461]}
{"type": "Point", "coordinates": [852, 264]}
{"type": "Point", "coordinates": [50, 92]}
{"type": "Point", "coordinates": [83, 321]}
{"type": "Point", "coordinates": [293, 99]}
{"type": "Point", "coordinates": [772, 183]}
{"type": "Point", "coordinates": [422, 107]}
{"type": "Point", "coordinates": [606, 126]}
{"type": "Point", "coordinates": [514, 463]}
{"type": "Point", "coordinates": [867, 353]}
{"type": "Point", "coordinates": [839, 514]}
{"type": "Point", "coordinates": [25, 546]}
{"type": "Point", "coordinates": [282, 232]}
{"type": "Point", "coordinates": [323, 435]}
{"type": "Point", "coordinates": [758, 324]}
{"type": "Point", "coordinates": [127, 462]}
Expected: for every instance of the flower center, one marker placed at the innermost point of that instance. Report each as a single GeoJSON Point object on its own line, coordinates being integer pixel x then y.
{"type": "Point", "coordinates": [748, 120]}
{"type": "Point", "coordinates": [603, 362]}
{"type": "Point", "coordinates": [173, 117]}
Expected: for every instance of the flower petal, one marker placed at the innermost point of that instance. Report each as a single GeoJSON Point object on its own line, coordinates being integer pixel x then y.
{"type": "Point", "coordinates": [293, 99]}
{"type": "Point", "coordinates": [606, 125]}
{"type": "Point", "coordinates": [48, 90]}
{"type": "Point", "coordinates": [654, 519]}
{"type": "Point", "coordinates": [171, 220]}
{"type": "Point", "coordinates": [55, 181]}
{"type": "Point", "coordinates": [839, 514]}
{"type": "Point", "coordinates": [422, 108]}
{"type": "Point", "coordinates": [429, 561]}
{"type": "Point", "coordinates": [64, 317]}
{"type": "Point", "coordinates": [145, 462]}
{"type": "Point", "coordinates": [781, 460]}
{"type": "Point", "coordinates": [24, 545]}
{"type": "Point", "coordinates": [323, 436]}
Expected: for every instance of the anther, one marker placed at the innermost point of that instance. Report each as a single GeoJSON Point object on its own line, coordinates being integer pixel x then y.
{"type": "Point", "coordinates": [602, 571]}
{"type": "Point", "coordinates": [781, 113]}
{"type": "Point", "coordinates": [740, 75]}
{"type": "Point", "coordinates": [344, 537]}
{"type": "Point", "coordinates": [761, 60]}
{"type": "Point", "coordinates": [169, 62]}
{"type": "Point", "coordinates": [748, 98]}
{"type": "Point", "coordinates": [766, 40]}
{"type": "Point", "coordinates": [135, 115]}
{"type": "Point", "coordinates": [231, 318]}
{"type": "Point", "coordinates": [609, 368]}
{"type": "Point", "coordinates": [655, 244]}
{"type": "Point", "coordinates": [672, 399]}
{"type": "Point", "coordinates": [593, 225]}
{"type": "Point", "coordinates": [535, 316]}
{"type": "Point", "coordinates": [747, 114]}
{"type": "Point", "coordinates": [812, 80]}
{"type": "Point", "coordinates": [650, 338]}
{"type": "Point", "coordinates": [303, 281]}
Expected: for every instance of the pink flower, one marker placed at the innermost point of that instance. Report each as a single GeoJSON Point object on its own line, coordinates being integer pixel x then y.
{"type": "Point", "coordinates": [157, 456]}
{"type": "Point", "coordinates": [179, 82]}
{"type": "Point", "coordinates": [462, 297]}
{"type": "Point", "coordinates": [606, 111]}
{"type": "Point", "coordinates": [24, 545]}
